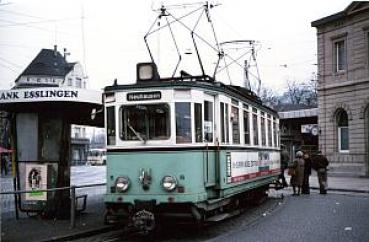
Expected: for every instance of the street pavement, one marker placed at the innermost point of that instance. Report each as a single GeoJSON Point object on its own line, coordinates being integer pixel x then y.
{"type": "Point", "coordinates": [315, 217]}
{"type": "Point", "coordinates": [305, 218]}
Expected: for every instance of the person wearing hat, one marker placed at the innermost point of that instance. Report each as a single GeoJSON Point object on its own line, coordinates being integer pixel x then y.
{"type": "Point", "coordinates": [297, 176]}
{"type": "Point", "coordinates": [307, 173]}
{"type": "Point", "coordinates": [285, 158]}
{"type": "Point", "coordinates": [320, 164]}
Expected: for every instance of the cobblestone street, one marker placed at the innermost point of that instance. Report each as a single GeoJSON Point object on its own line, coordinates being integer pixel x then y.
{"type": "Point", "coordinates": [315, 217]}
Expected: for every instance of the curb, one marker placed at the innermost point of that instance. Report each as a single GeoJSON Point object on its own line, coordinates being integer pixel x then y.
{"type": "Point", "coordinates": [343, 190]}
{"type": "Point", "coordinates": [83, 234]}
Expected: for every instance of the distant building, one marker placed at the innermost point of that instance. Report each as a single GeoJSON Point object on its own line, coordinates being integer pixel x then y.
{"type": "Point", "coordinates": [51, 69]}
{"type": "Point", "coordinates": [298, 126]}
{"type": "Point", "coordinates": [343, 90]}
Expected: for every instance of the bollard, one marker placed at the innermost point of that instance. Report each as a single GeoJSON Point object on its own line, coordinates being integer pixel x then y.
{"type": "Point", "coordinates": [72, 206]}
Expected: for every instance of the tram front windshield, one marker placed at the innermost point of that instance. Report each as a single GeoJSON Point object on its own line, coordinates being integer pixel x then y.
{"type": "Point", "coordinates": [145, 122]}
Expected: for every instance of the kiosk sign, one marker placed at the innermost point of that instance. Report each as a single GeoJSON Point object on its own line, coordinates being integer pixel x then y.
{"type": "Point", "coordinates": [36, 179]}
{"type": "Point", "coordinates": [48, 94]}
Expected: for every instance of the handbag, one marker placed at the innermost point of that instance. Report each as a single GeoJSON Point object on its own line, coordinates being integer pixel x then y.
{"type": "Point", "coordinates": [291, 172]}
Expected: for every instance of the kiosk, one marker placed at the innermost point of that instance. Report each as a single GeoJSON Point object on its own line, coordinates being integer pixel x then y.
{"type": "Point", "coordinates": [41, 120]}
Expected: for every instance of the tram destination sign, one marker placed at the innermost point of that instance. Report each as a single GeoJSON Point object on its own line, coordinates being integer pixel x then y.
{"type": "Point", "coordinates": [143, 96]}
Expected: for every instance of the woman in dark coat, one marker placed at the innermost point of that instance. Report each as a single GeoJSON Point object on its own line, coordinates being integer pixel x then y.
{"type": "Point", "coordinates": [298, 177]}
{"type": "Point", "coordinates": [307, 173]}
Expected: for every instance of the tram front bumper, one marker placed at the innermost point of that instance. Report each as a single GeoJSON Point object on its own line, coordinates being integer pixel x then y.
{"type": "Point", "coordinates": [159, 198]}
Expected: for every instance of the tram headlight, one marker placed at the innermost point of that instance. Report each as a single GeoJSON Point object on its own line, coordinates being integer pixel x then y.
{"type": "Point", "coordinates": [122, 184]}
{"type": "Point", "coordinates": [169, 183]}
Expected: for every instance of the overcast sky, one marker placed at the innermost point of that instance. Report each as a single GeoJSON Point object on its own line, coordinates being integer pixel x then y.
{"type": "Point", "coordinates": [114, 29]}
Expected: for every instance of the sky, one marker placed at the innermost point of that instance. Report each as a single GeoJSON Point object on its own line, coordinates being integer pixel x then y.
{"type": "Point", "coordinates": [107, 37]}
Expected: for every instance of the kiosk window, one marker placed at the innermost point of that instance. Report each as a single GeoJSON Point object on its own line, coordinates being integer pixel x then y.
{"type": "Point", "coordinates": [183, 123]}
{"type": "Point", "coordinates": [110, 125]}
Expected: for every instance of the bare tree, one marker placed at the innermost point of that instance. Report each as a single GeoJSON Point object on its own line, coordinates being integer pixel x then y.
{"type": "Point", "coordinates": [301, 93]}
{"type": "Point", "coordinates": [269, 97]}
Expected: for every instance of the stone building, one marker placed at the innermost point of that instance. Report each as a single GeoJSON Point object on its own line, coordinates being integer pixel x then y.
{"type": "Point", "coordinates": [343, 90]}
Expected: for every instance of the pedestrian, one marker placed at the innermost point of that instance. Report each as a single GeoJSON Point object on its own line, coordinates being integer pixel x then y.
{"type": "Point", "coordinates": [297, 173]}
{"type": "Point", "coordinates": [320, 164]}
{"type": "Point", "coordinates": [4, 165]}
{"type": "Point", "coordinates": [307, 173]}
{"type": "Point", "coordinates": [285, 159]}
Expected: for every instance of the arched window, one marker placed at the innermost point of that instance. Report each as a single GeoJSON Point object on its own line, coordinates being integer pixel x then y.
{"type": "Point", "coordinates": [343, 131]}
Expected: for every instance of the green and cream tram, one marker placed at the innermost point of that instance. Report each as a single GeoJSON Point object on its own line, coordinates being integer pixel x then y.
{"type": "Point", "coordinates": [186, 147]}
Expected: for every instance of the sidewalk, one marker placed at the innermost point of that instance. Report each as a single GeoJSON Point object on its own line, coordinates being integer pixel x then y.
{"type": "Point", "coordinates": [90, 222]}
{"type": "Point", "coordinates": [340, 184]}
{"type": "Point", "coordinates": [38, 229]}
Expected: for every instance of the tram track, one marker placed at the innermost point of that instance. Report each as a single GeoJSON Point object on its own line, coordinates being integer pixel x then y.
{"type": "Point", "coordinates": [180, 232]}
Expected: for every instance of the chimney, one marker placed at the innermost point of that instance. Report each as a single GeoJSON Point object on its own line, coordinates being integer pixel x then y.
{"type": "Point", "coordinates": [66, 53]}
{"type": "Point", "coordinates": [55, 50]}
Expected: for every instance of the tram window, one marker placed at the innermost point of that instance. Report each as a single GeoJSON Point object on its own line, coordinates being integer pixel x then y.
{"type": "Point", "coordinates": [110, 125]}
{"type": "Point", "coordinates": [198, 122]}
{"type": "Point", "coordinates": [183, 123]}
{"type": "Point", "coordinates": [246, 127]}
{"type": "Point", "coordinates": [263, 131]}
{"type": "Point", "coordinates": [269, 132]}
{"type": "Point", "coordinates": [255, 128]}
{"type": "Point", "coordinates": [208, 121]}
{"type": "Point", "coordinates": [275, 131]}
{"type": "Point", "coordinates": [224, 122]}
{"type": "Point", "coordinates": [145, 122]}
{"type": "Point", "coordinates": [235, 126]}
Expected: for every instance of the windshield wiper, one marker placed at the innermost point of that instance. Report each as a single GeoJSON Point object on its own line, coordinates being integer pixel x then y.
{"type": "Point", "coordinates": [136, 133]}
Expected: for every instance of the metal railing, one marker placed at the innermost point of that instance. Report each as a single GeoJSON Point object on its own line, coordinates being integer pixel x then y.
{"type": "Point", "coordinates": [73, 197]}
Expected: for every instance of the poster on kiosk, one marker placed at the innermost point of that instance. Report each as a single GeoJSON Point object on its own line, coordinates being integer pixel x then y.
{"type": "Point", "coordinates": [36, 179]}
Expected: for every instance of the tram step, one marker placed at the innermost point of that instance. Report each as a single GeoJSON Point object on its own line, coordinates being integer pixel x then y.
{"type": "Point", "coordinates": [220, 217]}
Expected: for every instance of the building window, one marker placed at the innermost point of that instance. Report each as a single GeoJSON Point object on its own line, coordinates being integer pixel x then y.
{"type": "Point", "coordinates": [339, 56]}
{"type": "Point", "coordinates": [343, 132]}
{"type": "Point", "coordinates": [78, 82]}
{"type": "Point", "coordinates": [183, 123]}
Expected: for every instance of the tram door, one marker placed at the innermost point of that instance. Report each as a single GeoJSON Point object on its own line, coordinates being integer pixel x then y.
{"type": "Point", "coordinates": [210, 157]}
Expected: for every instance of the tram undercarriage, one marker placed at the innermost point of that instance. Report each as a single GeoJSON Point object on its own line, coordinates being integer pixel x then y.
{"type": "Point", "coordinates": [144, 216]}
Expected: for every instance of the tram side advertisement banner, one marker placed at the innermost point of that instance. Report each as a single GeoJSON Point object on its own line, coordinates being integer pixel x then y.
{"type": "Point", "coordinates": [36, 179]}
{"type": "Point", "coordinates": [242, 166]}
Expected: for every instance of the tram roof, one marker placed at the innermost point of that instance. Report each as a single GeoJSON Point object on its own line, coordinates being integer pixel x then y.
{"type": "Point", "coordinates": [205, 82]}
